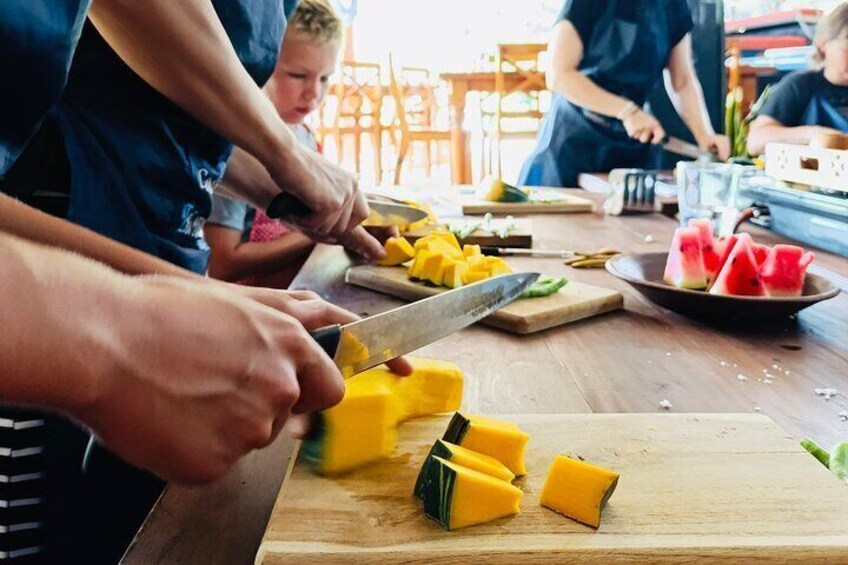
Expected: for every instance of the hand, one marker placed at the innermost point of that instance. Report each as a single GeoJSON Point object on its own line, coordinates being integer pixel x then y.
{"type": "Point", "coordinates": [644, 127]}
{"type": "Point", "coordinates": [203, 377]}
{"type": "Point", "coordinates": [717, 144]}
{"type": "Point", "coordinates": [312, 311]}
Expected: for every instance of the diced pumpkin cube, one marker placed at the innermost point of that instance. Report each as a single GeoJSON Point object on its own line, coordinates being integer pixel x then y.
{"type": "Point", "coordinates": [471, 277]}
{"type": "Point", "coordinates": [437, 245]}
{"type": "Point", "coordinates": [472, 250]}
{"type": "Point", "coordinates": [502, 440]}
{"type": "Point", "coordinates": [454, 273]}
{"type": "Point", "coordinates": [398, 250]}
{"type": "Point", "coordinates": [464, 457]}
{"type": "Point", "coordinates": [578, 490]}
{"type": "Point", "coordinates": [431, 266]}
{"type": "Point", "coordinates": [456, 496]}
{"type": "Point", "coordinates": [449, 237]}
{"type": "Point", "coordinates": [498, 266]}
{"type": "Point", "coordinates": [415, 269]}
{"type": "Point", "coordinates": [439, 277]}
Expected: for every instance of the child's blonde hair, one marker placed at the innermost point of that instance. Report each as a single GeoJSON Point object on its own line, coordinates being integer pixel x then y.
{"type": "Point", "coordinates": [316, 20]}
{"type": "Point", "coordinates": [833, 26]}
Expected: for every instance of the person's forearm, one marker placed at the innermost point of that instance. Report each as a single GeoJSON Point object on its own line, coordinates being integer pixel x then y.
{"type": "Point", "coordinates": [688, 99]}
{"type": "Point", "coordinates": [182, 50]}
{"type": "Point", "coordinates": [247, 180]}
{"type": "Point", "coordinates": [257, 259]}
{"type": "Point", "coordinates": [60, 325]}
{"type": "Point", "coordinates": [582, 91]}
{"type": "Point", "coordinates": [26, 222]}
{"type": "Point", "coordinates": [759, 136]}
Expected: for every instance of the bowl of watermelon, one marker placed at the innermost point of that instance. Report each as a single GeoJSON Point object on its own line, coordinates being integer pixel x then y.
{"type": "Point", "coordinates": [728, 279]}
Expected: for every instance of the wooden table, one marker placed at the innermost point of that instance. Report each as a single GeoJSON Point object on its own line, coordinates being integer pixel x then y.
{"type": "Point", "coordinates": [621, 362]}
{"type": "Point", "coordinates": [460, 85]}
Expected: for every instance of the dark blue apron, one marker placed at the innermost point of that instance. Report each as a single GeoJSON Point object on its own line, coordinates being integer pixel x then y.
{"type": "Point", "coordinates": [820, 112]}
{"type": "Point", "coordinates": [142, 169]}
{"type": "Point", "coordinates": [38, 39]}
{"type": "Point", "coordinates": [623, 57]}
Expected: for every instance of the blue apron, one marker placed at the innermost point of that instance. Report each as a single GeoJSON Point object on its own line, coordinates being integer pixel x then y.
{"type": "Point", "coordinates": [142, 169]}
{"type": "Point", "coordinates": [623, 57]}
{"type": "Point", "coordinates": [820, 112]}
{"type": "Point", "coordinates": [38, 40]}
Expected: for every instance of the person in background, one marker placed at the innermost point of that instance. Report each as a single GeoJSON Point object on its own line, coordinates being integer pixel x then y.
{"type": "Point", "coordinates": [808, 103]}
{"type": "Point", "coordinates": [606, 59]}
{"type": "Point", "coordinates": [245, 244]}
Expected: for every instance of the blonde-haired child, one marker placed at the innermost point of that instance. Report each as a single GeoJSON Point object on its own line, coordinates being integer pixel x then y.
{"type": "Point", "coordinates": [263, 252]}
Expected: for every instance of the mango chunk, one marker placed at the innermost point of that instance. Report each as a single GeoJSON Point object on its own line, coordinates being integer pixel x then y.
{"type": "Point", "coordinates": [578, 490]}
{"type": "Point", "coordinates": [470, 277]}
{"type": "Point", "coordinates": [398, 250]}
{"type": "Point", "coordinates": [415, 269]}
{"type": "Point", "coordinates": [502, 440]}
{"type": "Point", "coordinates": [471, 251]}
{"type": "Point", "coordinates": [454, 274]}
{"type": "Point", "coordinates": [457, 496]}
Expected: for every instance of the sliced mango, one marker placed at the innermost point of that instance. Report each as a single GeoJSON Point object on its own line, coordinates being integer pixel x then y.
{"type": "Point", "coordinates": [502, 440]}
{"type": "Point", "coordinates": [398, 250]}
{"type": "Point", "coordinates": [578, 490]}
{"type": "Point", "coordinates": [454, 273]}
{"type": "Point", "coordinates": [472, 250]}
{"type": "Point", "coordinates": [456, 496]}
{"type": "Point", "coordinates": [471, 277]}
{"type": "Point", "coordinates": [430, 267]}
{"type": "Point", "coordinates": [449, 237]}
{"type": "Point", "coordinates": [415, 269]}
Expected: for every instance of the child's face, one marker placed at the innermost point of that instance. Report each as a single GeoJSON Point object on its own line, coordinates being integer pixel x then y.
{"type": "Point", "coordinates": [836, 60]}
{"type": "Point", "coordinates": [300, 79]}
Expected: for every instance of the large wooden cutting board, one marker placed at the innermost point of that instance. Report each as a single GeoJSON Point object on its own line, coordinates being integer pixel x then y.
{"type": "Point", "coordinates": [521, 236]}
{"type": "Point", "coordinates": [566, 203]}
{"type": "Point", "coordinates": [710, 488]}
{"type": "Point", "coordinates": [575, 301]}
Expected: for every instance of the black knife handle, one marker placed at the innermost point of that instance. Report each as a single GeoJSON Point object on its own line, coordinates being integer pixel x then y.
{"type": "Point", "coordinates": [328, 338]}
{"type": "Point", "coordinates": [286, 205]}
{"type": "Point", "coordinates": [491, 251]}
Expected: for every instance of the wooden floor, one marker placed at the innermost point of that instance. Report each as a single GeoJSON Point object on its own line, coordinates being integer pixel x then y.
{"type": "Point", "coordinates": [628, 361]}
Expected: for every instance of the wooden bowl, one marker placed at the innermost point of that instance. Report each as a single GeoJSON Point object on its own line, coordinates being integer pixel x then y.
{"type": "Point", "coordinates": [644, 272]}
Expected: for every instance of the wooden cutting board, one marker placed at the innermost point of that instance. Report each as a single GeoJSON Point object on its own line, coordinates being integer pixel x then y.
{"type": "Point", "coordinates": [574, 301]}
{"type": "Point", "coordinates": [566, 203]}
{"type": "Point", "coordinates": [521, 236]}
{"type": "Point", "coordinates": [694, 488]}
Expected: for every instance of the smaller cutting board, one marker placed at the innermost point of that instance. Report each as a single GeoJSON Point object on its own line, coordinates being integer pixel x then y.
{"type": "Point", "coordinates": [562, 203]}
{"type": "Point", "coordinates": [521, 236]}
{"type": "Point", "coordinates": [575, 301]}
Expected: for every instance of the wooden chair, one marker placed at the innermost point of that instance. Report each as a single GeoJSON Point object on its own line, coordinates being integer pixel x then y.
{"type": "Point", "coordinates": [359, 99]}
{"type": "Point", "coordinates": [414, 113]}
{"type": "Point", "coordinates": [519, 85]}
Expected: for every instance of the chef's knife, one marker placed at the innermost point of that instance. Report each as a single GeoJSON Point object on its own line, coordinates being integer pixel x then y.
{"type": "Point", "coordinates": [371, 341]}
{"type": "Point", "coordinates": [383, 214]}
{"type": "Point", "coordinates": [680, 147]}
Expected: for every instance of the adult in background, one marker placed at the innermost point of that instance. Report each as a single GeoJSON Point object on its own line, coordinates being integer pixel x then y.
{"type": "Point", "coordinates": [606, 59]}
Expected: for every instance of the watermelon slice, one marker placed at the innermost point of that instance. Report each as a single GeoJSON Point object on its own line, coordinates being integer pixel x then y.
{"type": "Point", "coordinates": [740, 275]}
{"type": "Point", "coordinates": [761, 251]}
{"type": "Point", "coordinates": [723, 246]}
{"type": "Point", "coordinates": [784, 270]}
{"type": "Point", "coordinates": [708, 250]}
{"type": "Point", "coordinates": [684, 267]}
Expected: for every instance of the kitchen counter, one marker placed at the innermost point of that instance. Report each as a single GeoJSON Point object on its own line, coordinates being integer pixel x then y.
{"type": "Point", "coordinates": [626, 361]}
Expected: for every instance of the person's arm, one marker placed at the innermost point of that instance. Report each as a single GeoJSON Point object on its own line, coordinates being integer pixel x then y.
{"type": "Point", "coordinates": [123, 356]}
{"type": "Point", "coordinates": [684, 90]}
{"type": "Point", "coordinates": [565, 78]}
{"type": "Point", "coordinates": [233, 259]}
{"type": "Point", "coordinates": [182, 50]}
{"type": "Point", "coordinates": [765, 129]}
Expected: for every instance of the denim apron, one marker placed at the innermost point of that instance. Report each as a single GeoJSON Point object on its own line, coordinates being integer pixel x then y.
{"type": "Point", "coordinates": [624, 57]}
{"type": "Point", "coordinates": [820, 112]}
{"type": "Point", "coordinates": [142, 169]}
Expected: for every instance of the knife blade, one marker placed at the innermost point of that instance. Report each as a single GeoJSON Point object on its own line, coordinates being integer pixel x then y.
{"type": "Point", "coordinates": [680, 147]}
{"type": "Point", "coordinates": [383, 214]}
{"type": "Point", "coordinates": [371, 341]}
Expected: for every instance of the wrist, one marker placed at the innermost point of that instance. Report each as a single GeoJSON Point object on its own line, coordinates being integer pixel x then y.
{"type": "Point", "coordinates": [629, 109]}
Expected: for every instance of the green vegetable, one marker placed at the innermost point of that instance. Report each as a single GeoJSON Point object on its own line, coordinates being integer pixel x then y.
{"type": "Point", "coordinates": [838, 463]}
{"type": "Point", "coordinates": [817, 451]}
{"type": "Point", "coordinates": [544, 287]}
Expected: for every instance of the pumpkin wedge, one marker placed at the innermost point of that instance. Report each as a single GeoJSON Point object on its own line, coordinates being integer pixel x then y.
{"type": "Point", "coordinates": [398, 250]}
{"type": "Point", "coordinates": [456, 496]}
{"type": "Point", "coordinates": [578, 490]}
{"type": "Point", "coordinates": [502, 440]}
{"type": "Point", "coordinates": [464, 457]}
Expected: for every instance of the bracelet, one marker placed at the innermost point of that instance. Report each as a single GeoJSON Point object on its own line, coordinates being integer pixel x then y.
{"type": "Point", "coordinates": [627, 110]}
